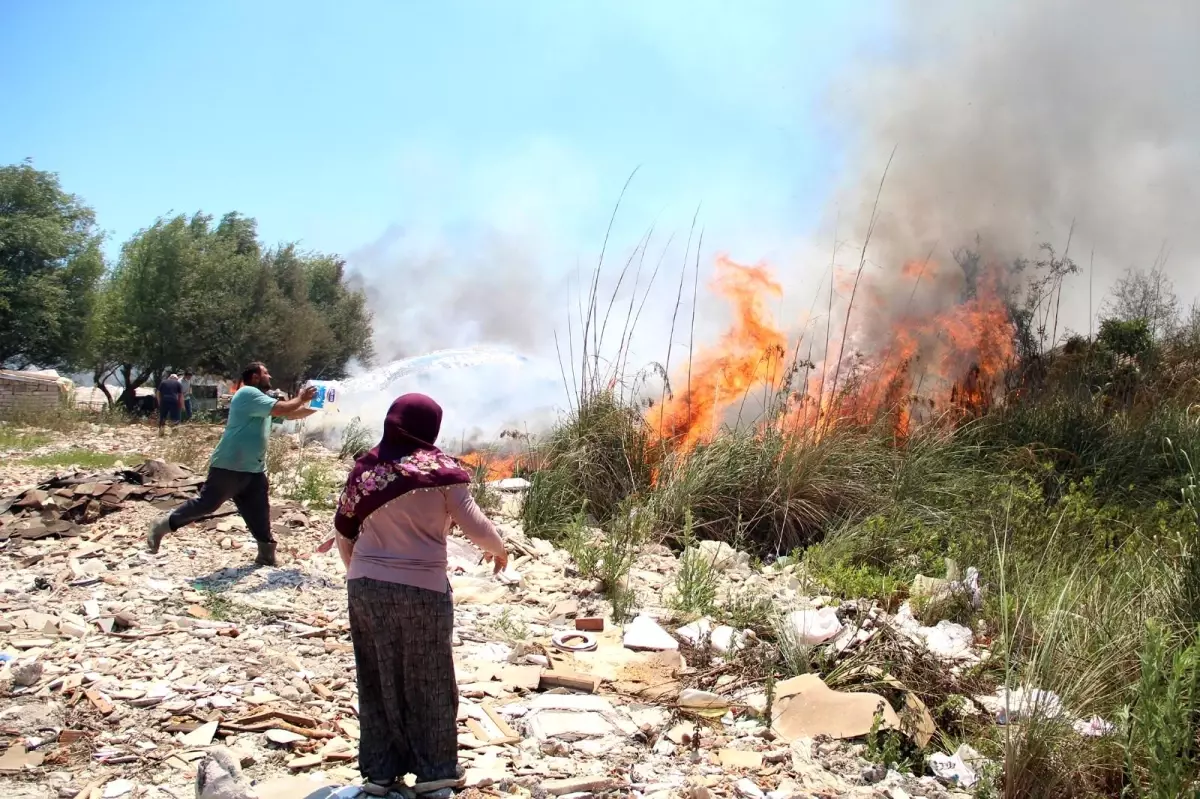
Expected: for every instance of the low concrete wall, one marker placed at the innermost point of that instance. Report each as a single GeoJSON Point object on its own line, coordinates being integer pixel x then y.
{"type": "Point", "coordinates": [28, 393]}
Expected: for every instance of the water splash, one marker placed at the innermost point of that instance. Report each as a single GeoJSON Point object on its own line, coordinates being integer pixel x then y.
{"type": "Point", "coordinates": [482, 390]}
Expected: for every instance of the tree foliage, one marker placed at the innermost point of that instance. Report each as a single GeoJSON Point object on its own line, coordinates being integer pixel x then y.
{"type": "Point", "coordinates": [50, 264]}
{"type": "Point", "coordinates": [185, 293]}
{"type": "Point", "coordinates": [1148, 295]}
{"type": "Point", "coordinates": [189, 294]}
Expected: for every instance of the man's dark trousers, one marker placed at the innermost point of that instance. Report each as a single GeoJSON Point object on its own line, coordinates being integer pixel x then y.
{"type": "Point", "coordinates": [249, 491]}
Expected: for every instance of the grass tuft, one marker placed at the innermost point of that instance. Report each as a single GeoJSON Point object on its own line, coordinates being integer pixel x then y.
{"type": "Point", "coordinates": [84, 459]}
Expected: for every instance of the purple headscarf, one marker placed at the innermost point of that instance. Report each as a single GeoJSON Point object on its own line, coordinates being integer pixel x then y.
{"type": "Point", "coordinates": [405, 460]}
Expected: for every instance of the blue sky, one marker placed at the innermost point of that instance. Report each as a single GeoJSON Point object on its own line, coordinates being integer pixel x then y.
{"type": "Point", "coordinates": [331, 121]}
{"type": "Point", "coordinates": [489, 140]}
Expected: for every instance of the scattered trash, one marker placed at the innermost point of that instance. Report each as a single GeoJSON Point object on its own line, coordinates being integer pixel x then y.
{"type": "Point", "coordinates": [695, 699]}
{"type": "Point", "coordinates": [574, 641]}
{"type": "Point", "coordinates": [644, 633]}
{"type": "Point", "coordinates": [949, 641]}
{"type": "Point", "coordinates": [164, 658]}
{"type": "Point", "coordinates": [1010, 707]}
{"type": "Point", "coordinates": [814, 626]}
{"type": "Point", "coordinates": [959, 769]}
{"type": "Point", "coordinates": [1095, 727]}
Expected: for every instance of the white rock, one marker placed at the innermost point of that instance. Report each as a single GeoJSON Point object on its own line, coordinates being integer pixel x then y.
{"type": "Point", "coordinates": [645, 634]}
{"type": "Point", "coordinates": [720, 555]}
{"type": "Point", "coordinates": [725, 639]}
{"type": "Point", "coordinates": [118, 788]}
{"type": "Point", "coordinates": [748, 790]}
{"type": "Point", "coordinates": [814, 626]}
{"type": "Point", "coordinates": [695, 632]}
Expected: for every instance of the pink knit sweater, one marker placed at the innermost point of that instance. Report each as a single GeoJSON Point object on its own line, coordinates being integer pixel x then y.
{"type": "Point", "coordinates": [405, 540]}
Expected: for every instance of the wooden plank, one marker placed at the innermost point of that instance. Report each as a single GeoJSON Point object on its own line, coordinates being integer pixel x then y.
{"type": "Point", "coordinates": [498, 720]}
{"type": "Point", "coordinates": [568, 679]}
{"type": "Point", "coordinates": [99, 702]}
{"type": "Point", "coordinates": [478, 731]}
{"type": "Point", "coordinates": [275, 724]}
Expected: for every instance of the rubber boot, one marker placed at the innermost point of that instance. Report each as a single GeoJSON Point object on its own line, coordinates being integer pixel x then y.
{"type": "Point", "coordinates": [266, 554]}
{"type": "Point", "coordinates": [158, 531]}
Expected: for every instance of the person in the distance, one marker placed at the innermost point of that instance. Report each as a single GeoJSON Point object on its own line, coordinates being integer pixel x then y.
{"type": "Point", "coordinates": [170, 402]}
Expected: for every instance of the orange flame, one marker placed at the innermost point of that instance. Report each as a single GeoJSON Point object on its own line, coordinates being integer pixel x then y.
{"type": "Point", "coordinates": [750, 354]}
{"type": "Point", "coordinates": [924, 360]}
{"type": "Point", "coordinates": [494, 467]}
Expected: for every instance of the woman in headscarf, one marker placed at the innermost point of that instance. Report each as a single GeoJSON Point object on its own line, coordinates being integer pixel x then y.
{"type": "Point", "coordinates": [391, 526]}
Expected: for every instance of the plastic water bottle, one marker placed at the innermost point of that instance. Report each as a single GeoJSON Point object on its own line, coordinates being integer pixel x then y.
{"type": "Point", "coordinates": [326, 396]}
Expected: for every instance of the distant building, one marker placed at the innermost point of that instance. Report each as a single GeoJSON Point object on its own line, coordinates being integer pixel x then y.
{"type": "Point", "coordinates": [32, 391]}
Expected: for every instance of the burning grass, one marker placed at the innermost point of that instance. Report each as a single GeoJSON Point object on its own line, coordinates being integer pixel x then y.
{"type": "Point", "coordinates": [943, 426]}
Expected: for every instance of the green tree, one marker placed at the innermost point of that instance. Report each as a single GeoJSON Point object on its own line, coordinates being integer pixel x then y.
{"type": "Point", "coordinates": [50, 266]}
{"type": "Point", "coordinates": [1146, 295]}
{"type": "Point", "coordinates": [309, 324]}
{"type": "Point", "coordinates": [188, 294]}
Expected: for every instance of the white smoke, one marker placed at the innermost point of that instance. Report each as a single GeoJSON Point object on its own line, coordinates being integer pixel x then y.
{"type": "Point", "coordinates": [483, 391]}
{"type": "Point", "coordinates": [1018, 122]}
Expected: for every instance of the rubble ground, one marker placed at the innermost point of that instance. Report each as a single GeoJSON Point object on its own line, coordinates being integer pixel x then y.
{"type": "Point", "coordinates": [121, 669]}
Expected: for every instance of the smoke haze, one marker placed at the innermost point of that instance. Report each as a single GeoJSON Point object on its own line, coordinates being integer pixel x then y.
{"type": "Point", "coordinates": [1012, 123]}
{"type": "Point", "coordinates": [1012, 120]}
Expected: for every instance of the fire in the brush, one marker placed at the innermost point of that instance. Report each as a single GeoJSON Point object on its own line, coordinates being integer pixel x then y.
{"type": "Point", "coordinates": [490, 467]}
{"type": "Point", "coordinates": [919, 345]}
{"type": "Point", "coordinates": [752, 353]}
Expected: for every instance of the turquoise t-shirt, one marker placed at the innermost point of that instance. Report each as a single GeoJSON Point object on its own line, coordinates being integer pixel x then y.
{"type": "Point", "coordinates": [243, 445]}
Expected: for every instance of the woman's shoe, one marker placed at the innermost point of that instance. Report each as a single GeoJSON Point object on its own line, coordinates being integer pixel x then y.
{"type": "Point", "coordinates": [377, 788]}
{"type": "Point", "coordinates": [266, 557]}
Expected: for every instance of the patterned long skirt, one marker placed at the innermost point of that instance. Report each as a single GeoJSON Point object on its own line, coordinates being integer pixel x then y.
{"type": "Point", "coordinates": [407, 691]}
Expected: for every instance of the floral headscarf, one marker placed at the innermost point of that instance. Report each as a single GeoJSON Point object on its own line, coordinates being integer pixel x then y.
{"type": "Point", "coordinates": [405, 460]}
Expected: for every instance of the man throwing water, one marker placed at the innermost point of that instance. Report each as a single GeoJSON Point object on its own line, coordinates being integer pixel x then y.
{"type": "Point", "coordinates": [237, 469]}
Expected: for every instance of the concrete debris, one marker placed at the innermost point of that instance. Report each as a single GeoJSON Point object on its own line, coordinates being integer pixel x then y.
{"type": "Point", "coordinates": [193, 671]}
{"type": "Point", "coordinates": [813, 626]}
{"type": "Point", "coordinates": [748, 790]}
{"type": "Point", "coordinates": [644, 633]}
{"type": "Point", "coordinates": [805, 707]}
{"type": "Point", "coordinates": [720, 556]}
{"type": "Point", "coordinates": [58, 506]}
{"type": "Point", "coordinates": [17, 759]}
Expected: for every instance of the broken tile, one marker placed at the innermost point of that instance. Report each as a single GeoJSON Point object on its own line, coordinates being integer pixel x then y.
{"type": "Point", "coordinates": [644, 633]}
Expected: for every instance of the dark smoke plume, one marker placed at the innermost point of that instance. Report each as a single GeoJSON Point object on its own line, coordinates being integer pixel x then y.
{"type": "Point", "coordinates": [1012, 120]}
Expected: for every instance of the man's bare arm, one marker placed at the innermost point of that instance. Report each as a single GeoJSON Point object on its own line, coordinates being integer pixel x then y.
{"type": "Point", "coordinates": [286, 408]}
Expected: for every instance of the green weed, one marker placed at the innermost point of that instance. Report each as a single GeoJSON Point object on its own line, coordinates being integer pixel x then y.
{"type": "Point", "coordinates": [356, 440]}
{"type": "Point", "coordinates": [21, 439]}
{"type": "Point", "coordinates": [83, 459]}
{"type": "Point", "coordinates": [696, 580]}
